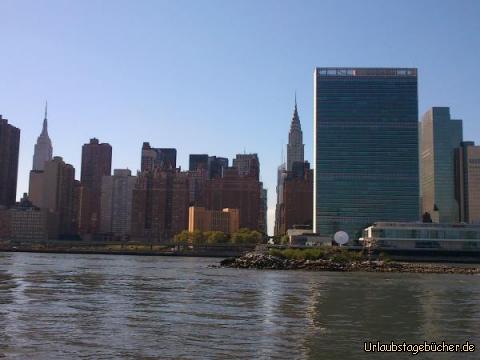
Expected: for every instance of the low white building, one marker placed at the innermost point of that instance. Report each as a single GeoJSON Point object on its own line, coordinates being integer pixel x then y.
{"type": "Point", "coordinates": [306, 237]}
{"type": "Point", "coordinates": [422, 236]}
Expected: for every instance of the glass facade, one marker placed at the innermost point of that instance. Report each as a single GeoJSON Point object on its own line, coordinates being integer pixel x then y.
{"type": "Point", "coordinates": [422, 232]}
{"type": "Point", "coordinates": [440, 136]}
{"type": "Point", "coordinates": [365, 148]}
{"type": "Point", "coordinates": [427, 236]}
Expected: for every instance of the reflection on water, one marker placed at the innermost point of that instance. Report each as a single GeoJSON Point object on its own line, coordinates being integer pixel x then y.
{"type": "Point", "coordinates": [95, 306]}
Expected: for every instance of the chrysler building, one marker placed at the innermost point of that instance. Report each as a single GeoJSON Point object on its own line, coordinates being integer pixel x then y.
{"type": "Point", "coordinates": [295, 145]}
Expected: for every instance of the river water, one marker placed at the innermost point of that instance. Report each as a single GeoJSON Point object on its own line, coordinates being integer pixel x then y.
{"type": "Point", "coordinates": [66, 306]}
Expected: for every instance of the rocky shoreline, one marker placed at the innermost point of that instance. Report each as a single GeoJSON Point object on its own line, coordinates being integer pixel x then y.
{"type": "Point", "coordinates": [262, 261]}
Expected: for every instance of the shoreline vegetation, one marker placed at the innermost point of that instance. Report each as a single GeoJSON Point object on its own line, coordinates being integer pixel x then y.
{"type": "Point", "coordinates": [244, 251]}
{"type": "Point", "coordinates": [335, 259]}
{"type": "Point", "coordinates": [112, 248]}
{"type": "Point", "coordinates": [241, 237]}
{"type": "Point", "coordinates": [196, 243]}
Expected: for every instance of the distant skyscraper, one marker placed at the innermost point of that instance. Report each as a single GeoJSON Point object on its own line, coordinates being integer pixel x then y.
{"type": "Point", "coordinates": [296, 206]}
{"type": "Point", "coordinates": [116, 203]}
{"type": "Point", "coordinates": [35, 187]}
{"type": "Point", "coordinates": [161, 158]}
{"type": "Point", "coordinates": [216, 166]}
{"type": "Point", "coordinates": [281, 175]}
{"type": "Point", "coordinates": [264, 211]}
{"type": "Point", "coordinates": [294, 183]}
{"type": "Point", "coordinates": [9, 147]}
{"type": "Point", "coordinates": [247, 165]}
{"type": "Point", "coordinates": [279, 208]}
{"type": "Point", "coordinates": [213, 165]}
{"type": "Point", "coordinates": [96, 163]}
{"type": "Point", "coordinates": [58, 193]}
{"type": "Point", "coordinates": [236, 192]}
{"type": "Point", "coordinates": [160, 204]}
{"type": "Point", "coordinates": [201, 168]}
{"type": "Point", "coordinates": [295, 146]}
{"type": "Point", "coordinates": [43, 147]}
{"type": "Point", "coordinates": [198, 161]}
{"type": "Point", "coordinates": [77, 204]}
{"type": "Point", "coordinates": [439, 137]}
{"type": "Point", "coordinates": [467, 169]}
{"type": "Point", "coordinates": [365, 148]}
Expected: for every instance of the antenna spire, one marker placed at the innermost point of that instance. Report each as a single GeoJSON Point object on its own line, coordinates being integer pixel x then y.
{"type": "Point", "coordinates": [45, 125]}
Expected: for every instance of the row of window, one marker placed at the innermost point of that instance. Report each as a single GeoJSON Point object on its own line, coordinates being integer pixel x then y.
{"type": "Point", "coordinates": [367, 72]}
{"type": "Point", "coordinates": [426, 234]}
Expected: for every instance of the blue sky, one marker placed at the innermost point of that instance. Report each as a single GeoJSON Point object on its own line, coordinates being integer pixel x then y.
{"type": "Point", "coordinates": [216, 77]}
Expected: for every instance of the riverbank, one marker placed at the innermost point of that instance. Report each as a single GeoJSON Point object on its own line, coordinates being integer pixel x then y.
{"type": "Point", "coordinates": [126, 248]}
{"type": "Point", "coordinates": [265, 261]}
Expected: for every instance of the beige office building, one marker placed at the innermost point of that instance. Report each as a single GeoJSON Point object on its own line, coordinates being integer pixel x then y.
{"type": "Point", "coordinates": [53, 189]}
{"type": "Point", "coordinates": [226, 220]}
{"type": "Point", "coordinates": [28, 222]}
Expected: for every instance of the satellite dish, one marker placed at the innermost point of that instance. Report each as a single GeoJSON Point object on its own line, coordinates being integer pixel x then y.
{"type": "Point", "coordinates": [341, 237]}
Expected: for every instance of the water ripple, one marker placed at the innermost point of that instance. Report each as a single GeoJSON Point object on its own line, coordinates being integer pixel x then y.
{"type": "Point", "coordinates": [57, 306]}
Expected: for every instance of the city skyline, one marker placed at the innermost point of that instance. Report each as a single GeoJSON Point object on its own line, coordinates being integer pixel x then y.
{"type": "Point", "coordinates": [105, 80]}
{"type": "Point", "coordinates": [146, 145]}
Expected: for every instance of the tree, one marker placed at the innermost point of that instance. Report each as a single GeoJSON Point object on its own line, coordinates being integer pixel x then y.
{"type": "Point", "coordinates": [197, 238]}
{"type": "Point", "coordinates": [246, 236]}
{"type": "Point", "coordinates": [215, 237]}
{"type": "Point", "coordinates": [182, 238]}
{"type": "Point", "coordinates": [255, 237]}
{"type": "Point", "coordinates": [238, 238]}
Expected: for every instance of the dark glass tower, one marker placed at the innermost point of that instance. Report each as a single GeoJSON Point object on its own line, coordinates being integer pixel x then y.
{"type": "Point", "coordinates": [198, 161]}
{"type": "Point", "coordinates": [9, 147]}
{"type": "Point", "coordinates": [162, 158]}
{"type": "Point", "coordinates": [365, 148]}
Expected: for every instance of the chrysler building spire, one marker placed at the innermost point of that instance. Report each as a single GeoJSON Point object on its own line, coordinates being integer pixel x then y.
{"type": "Point", "coordinates": [295, 145]}
{"type": "Point", "coordinates": [43, 147]}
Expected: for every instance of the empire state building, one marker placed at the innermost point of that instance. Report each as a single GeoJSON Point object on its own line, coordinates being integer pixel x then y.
{"type": "Point", "coordinates": [43, 147]}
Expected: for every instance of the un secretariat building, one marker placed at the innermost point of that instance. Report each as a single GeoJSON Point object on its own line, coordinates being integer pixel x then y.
{"type": "Point", "coordinates": [365, 148]}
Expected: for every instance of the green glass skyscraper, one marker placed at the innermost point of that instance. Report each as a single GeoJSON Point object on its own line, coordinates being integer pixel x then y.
{"type": "Point", "coordinates": [365, 148]}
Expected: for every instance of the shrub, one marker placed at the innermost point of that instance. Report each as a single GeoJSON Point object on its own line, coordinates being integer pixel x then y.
{"type": "Point", "coordinates": [181, 238]}
{"type": "Point", "coordinates": [197, 237]}
{"type": "Point", "coordinates": [215, 237]}
{"type": "Point", "coordinates": [276, 252]}
{"type": "Point", "coordinates": [246, 236]}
